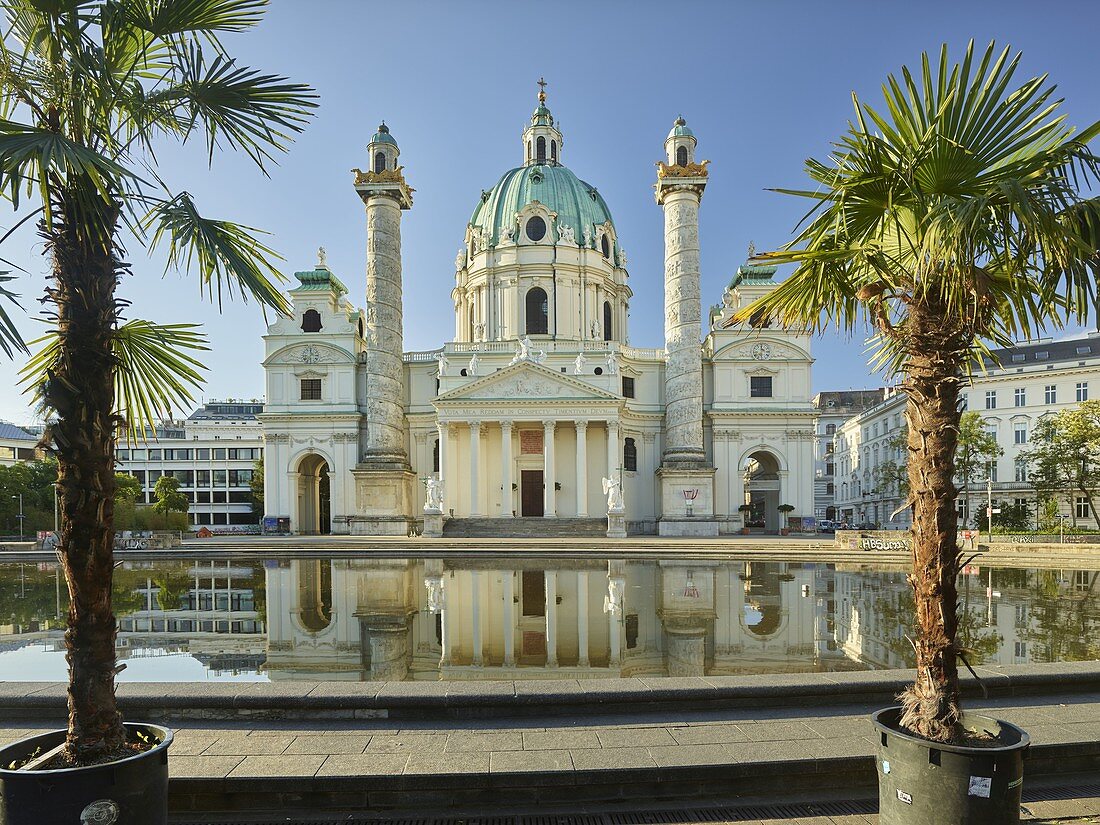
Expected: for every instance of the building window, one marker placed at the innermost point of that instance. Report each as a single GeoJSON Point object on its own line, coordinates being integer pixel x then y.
{"type": "Point", "coordinates": [628, 387]}
{"type": "Point", "coordinates": [630, 455]}
{"type": "Point", "coordinates": [379, 161]}
{"type": "Point", "coordinates": [830, 469]}
{"type": "Point", "coordinates": [536, 227]}
{"type": "Point", "coordinates": [991, 400]}
{"type": "Point", "coordinates": [311, 389]}
{"type": "Point", "coordinates": [1019, 432]}
{"type": "Point", "coordinates": [1082, 391]}
{"type": "Point", "coordinates": [829, 488]}
{"type": "Point", "coordinates": [538, 314]}
{"type": "Point", "coordinates": [1081, 507]}
{"type": "Point", "coordinates": [1021, 470]}
{"type": "Point", "coordinates": [554, 151]}
{"type": "Point", "coordinates": [681, 156]}
{"type": "Point", "coordinates": [311, 321]}
{"type": "Point", "coordinates": [760, 386]}
{"type": "Point", "coordinates": [540, 150]}
{"type": "Point", "coordinates": [606, 319]}
{"type": "Point", "coordinates": [528, 150]}
{"type": "Point", "coordinates": [830, 429]}
{"type": "Point", "coordinates": [435, 456]}
{"type": "Point", "coordinates": [1051, 394]}
{"type": "Point", "coordinates": [605, 246]}
{"type": "Point", "coordinates": [1019, 397]}
{"type": "Point", "coordinates": [993, 471]}
{"type": "Point", "coordinates": [1021, 649]}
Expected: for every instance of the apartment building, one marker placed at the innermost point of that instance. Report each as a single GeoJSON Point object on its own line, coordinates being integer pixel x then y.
{"type": "Point", "coordinates": [833, 409]}
{"type": "Point", "coordinates": [212, 453]}
{"type": "Point", "coordinates": [17, 444]}
{"type": "Point", "coordinates": [1025, 383]}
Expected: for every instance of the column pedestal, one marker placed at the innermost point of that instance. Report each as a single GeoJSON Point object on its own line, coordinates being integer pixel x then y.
{"type": "Point", "coordinates": [381, 496]}
{"type": "Point", "coordinates": [616, 524]}
{"type": "Point", "coordinates": [433, 524]}
{"type": "Point", "coordinates": [681, 516]}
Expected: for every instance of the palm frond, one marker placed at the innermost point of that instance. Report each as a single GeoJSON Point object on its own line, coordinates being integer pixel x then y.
{"type": "Point", "coordinates": [10, 339]}
{"type": "Point", "coordinates": [239, 106]}
{"type": "Point", "coordinates": [227, 256]}
{"type": "Point", "coordinates": [168, 18]}
{"type": "Point", "coordinates": [154, 374]}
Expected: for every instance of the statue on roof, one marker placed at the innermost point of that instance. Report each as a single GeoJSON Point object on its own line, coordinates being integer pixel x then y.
{"type": "Point", "coordinates": [322, 258]}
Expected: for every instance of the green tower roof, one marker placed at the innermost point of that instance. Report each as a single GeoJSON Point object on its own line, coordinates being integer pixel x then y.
{"type": "Point", "coordinates": [680, 129]}
{"type": "Point", "coordinates": [576, 203]}
{"type": "Point", "coordinates": [320, 279]}
{"type": "Point", "coordinates": [383, 135]}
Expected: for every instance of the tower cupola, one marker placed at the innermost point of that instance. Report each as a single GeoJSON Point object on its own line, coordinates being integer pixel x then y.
{"type": "Point", "coordinates": [680, 144]}
{"type": "Point", "coordinates": [542, 140]}
{"type": "Point", "coordinates": [383, 150]}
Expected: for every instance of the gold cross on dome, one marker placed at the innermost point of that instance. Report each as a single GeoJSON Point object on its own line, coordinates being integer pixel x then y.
{"type": "Point", "coordinates": [542, 90]}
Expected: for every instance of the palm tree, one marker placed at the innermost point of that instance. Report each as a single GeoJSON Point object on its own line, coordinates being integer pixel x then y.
{"type": "Point", "coordinates": [952, 222]}
{"type": "Point", "coordinates": [87, 90]}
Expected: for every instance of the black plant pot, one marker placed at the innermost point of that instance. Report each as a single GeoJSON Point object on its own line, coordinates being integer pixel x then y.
{"type": "Point", "coordinates": [132, 791]}
{"type": "Point", "coordinates": [929, 783]}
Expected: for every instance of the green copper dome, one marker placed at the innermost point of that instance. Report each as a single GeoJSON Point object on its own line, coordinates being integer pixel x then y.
{"type": "Point", "coordinates": [383, 135]}
{"type": "Point", "coordinates": [680, 129]}
{"type": "Point", "coordinates": [576, 203]}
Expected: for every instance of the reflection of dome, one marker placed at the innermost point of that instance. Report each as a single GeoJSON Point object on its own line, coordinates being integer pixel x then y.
{"type": "Point", "coordinates": [577, 204]}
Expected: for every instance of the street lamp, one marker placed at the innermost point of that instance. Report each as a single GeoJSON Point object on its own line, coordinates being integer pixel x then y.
{"type": "Point", "coordinates": [20, 516]}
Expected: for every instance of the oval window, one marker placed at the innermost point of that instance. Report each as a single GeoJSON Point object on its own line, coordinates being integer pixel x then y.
{"type": "Point", "coordinates": [536, 229]}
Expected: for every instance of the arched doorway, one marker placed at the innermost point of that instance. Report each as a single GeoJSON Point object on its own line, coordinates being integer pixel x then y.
{"type": "Point", "coordinates": [314, 509]}
{"type": "Point", "coordinates": [763, 492]}
{"type": "Point", "coordinates": [315, 594]}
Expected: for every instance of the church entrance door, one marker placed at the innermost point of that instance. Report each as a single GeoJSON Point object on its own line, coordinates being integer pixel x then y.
{"type": "Point", "coordinates": [530, 491]}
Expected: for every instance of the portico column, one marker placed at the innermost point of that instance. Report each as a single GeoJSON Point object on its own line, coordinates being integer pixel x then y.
{"type": "Point", "coordinates": [612, 449]}
{"type": "Point", "coordinates": [509, 580]}
{"type": "Point", "coordinates": [582, 469]}
{"type": "Point", "coordinates": [549, 500]}
{"type": "Point", "coordinates": [506, 469]}
{"type": "Point", "coordinates": [475, 458]}
{"type": "Point", "coordinates": [442, 427]}
{"type": "Point", "coordinates": [551, 618]}
{"type": "Point", "coordinates": [475, 613]}
{"type": "Point", "coordinates": [582, 618]}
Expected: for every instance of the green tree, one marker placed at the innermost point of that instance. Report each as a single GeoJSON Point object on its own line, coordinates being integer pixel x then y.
{"type": "Point", "coordinates": [127, 491]}
{"type": "Point", "coordinates": [169, 499]}
{"type": "Point", "coordinates": [89, 91]}
{"type": "Point", "coordinates": [34, 481]}
{"type": "Point", "coordinates": [951, 222]}
{"type": "Point", "coordinates": [257, 486]}
{"type": "Point", "coordinates": [974, 451]}
{"type": "Point", "coordinates": [1064, 455]}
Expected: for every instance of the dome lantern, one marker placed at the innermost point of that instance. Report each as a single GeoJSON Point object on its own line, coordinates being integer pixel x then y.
{"type": "Point", "coordinates": [542, 140]}
{"type": "Point", "coordinates": [383, 150]}
{"type": "Point", "coordinates": [680, 144]}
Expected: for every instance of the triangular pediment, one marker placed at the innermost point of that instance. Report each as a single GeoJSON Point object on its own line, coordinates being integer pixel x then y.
{"type": "Point", "coordinates": [527, 381]}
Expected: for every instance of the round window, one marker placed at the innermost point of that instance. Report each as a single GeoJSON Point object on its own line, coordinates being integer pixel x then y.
{"type": "Point", "coordinates": [598, 371]}
{"type": "Point", "coordinates": [536, 229]}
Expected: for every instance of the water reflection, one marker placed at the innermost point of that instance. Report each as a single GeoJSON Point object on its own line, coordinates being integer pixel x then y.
{"type": "Point", "coordinates": [513, 618]}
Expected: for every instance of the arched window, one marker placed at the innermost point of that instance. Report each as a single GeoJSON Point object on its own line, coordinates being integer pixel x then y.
{"type": "Point", "coordinates": [681, 156]}
{"type": "Point", "coordinates": [311, 321]}
{"type": "Point", "coordinates": [830, 429]}
{"type": "Point", "coordinates": [528, 150]}
{"type": "Point", "coordinates": [435, 456]}
{"type": "Point", "coordinates": [554, 151]}
{"type": "Point", "coordinates": [537, 312]}
{"type": "Point", "coordinates": [605, 246]}
{"type": "Point", "coordinates": [607, 320]}
{"type": "Point", "coordinates": [540, 150]}
{"type": "Point", "coordinates": [379, 161]}
{"type": "Point", "coordinates": [630, 455]}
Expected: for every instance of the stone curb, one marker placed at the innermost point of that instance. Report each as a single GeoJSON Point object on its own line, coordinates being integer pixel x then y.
{"type": "Point", "coordinates": [442, 700]}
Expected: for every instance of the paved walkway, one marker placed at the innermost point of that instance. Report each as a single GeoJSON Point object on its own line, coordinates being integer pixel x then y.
{"type": "Point", "coordinates": [503, 750]}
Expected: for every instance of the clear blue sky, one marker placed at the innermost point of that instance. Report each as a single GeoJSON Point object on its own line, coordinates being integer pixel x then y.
{"type": "Point", "coordinates": [763, 84]}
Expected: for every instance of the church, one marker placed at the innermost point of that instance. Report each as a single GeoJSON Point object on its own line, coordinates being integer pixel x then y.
{"type": "Point", "coordinates": [537, 409]}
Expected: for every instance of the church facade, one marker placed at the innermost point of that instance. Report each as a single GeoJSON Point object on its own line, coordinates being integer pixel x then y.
{"type": "Point", "coordinates": [538, 407]}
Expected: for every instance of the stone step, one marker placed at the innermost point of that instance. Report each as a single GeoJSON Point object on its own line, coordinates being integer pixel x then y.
{"type": "Point", "coordinates": [524, 527]}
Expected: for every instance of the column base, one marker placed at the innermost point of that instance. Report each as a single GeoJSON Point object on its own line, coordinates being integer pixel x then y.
{"type": "Point", "coordinates": [383, 501]}
{"type": "Point", "coordinates": [433, 524]}
{"type": "Point", "coordinates": [697, 527]}
{"type": "Point", "coordinates": [616, 525]}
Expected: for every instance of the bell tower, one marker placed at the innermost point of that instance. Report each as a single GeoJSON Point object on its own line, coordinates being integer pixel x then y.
{"type": "Point", "coordinates": [542, 140]}
{"type": "Point", "coordinates": [687, 481]}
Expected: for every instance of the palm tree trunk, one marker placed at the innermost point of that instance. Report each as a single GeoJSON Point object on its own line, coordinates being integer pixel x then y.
{"type": "Point", "coordinates": [931, 705]}
{"type": "Point", "coordinates": [81, 390]}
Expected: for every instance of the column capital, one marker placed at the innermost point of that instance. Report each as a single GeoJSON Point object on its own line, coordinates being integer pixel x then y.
{"type": "Point", "coordinates": [506, 425]}
{"type": "Point", "coordinates": [581, 425]}
{"type": "Point", "coordinates": [475, 426]}
{"type": "Point", "coordinates": [549, 424]}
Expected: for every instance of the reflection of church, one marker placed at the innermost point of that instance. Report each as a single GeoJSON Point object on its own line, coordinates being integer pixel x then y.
{"type": "Point", "coordinates": [509, 618]}
{"type": "Point", "coordinates": [539, 396]}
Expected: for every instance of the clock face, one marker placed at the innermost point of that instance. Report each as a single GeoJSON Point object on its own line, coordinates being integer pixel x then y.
{"type": "Point", "coordinates": [761, 352]}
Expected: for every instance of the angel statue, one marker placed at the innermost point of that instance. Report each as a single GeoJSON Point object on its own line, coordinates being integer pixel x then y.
{"type": "Point", "coordinates": [567, 235]}
{"type": "Point", "coordinates": [578, 364]}
{"type": "Point", "coordinates": [613, 489]}
{"type": "Point", "coordinates": [475, 364]}
{"type": "Point", "coordinates": [444, 364]}
{"type": "Point", "coordinates": [434, 497]}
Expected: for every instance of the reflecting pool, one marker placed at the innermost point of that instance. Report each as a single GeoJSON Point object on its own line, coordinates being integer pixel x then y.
{"type": "Point", "coordinates": [511, 617]}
